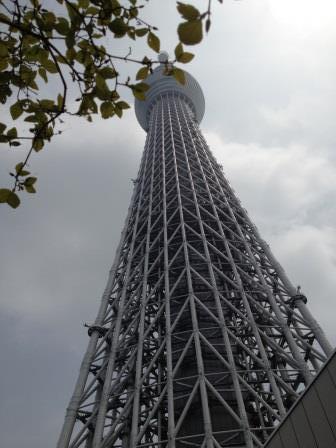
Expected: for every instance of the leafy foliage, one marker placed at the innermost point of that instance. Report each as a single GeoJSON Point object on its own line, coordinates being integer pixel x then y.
{"type": "Point", "coordinates": [63, 45]}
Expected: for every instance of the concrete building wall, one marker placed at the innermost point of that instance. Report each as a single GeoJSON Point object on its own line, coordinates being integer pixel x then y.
{"type": "Point", "coordinates": [312, 421]}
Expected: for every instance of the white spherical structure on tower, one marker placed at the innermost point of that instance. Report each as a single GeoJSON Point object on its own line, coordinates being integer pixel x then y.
{"type": "Point", "coordinates": [160, 84]}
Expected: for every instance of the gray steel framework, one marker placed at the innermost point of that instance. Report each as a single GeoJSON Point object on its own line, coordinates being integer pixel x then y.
{"type": "Point", "coordinates": [201, 340]}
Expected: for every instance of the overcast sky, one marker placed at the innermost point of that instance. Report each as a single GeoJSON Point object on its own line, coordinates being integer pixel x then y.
{"type": "Point", "coordinates": [268, 73]}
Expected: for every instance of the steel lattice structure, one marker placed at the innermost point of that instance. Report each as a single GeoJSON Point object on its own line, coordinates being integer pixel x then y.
{"type": "Point", "coordinates": [200, 340]}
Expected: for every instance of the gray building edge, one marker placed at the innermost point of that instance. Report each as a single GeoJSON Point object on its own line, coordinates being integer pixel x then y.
{"type": "Point", "coordinates": [311, 422]}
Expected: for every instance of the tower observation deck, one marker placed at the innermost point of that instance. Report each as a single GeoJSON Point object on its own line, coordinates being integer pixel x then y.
{"type": "Point", "coordinates": [160, 84]}
{"type": "Point", "coordinates": [201, 340]}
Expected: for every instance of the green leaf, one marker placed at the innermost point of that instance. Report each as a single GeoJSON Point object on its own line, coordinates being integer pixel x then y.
{"type": "Point", "coordinates": [42, 55]}
{"type": "Point", "coordinates": [115, 5]}
{"type": "Point", "coordinates": [4, 193]}
{"type": "Point", "coordinates": [48, 20]}
{"type": "Point", "coordinates": [92, 10]}
{"type": "Point", "coordinates": [30, 189]}
{"type": "Point", "coordinates": [141, 87]}
{"type": "Point", "coordinates": [87, 105]}
{"type": "Point", "coordinates": [133, 12]}
{"type": "Point", "coordinates": [43, 74]}
{"type": "Point", "coordinates": [153, 42]}
{"type": "Point", "coordinates": [12, 133]}
{"type": "Point", "coordinates": [32, 119]}
{"type": "Point", "coordinates": [13, 200]}
{"type": "Point", "coordinates": [190, 33]}
{"type": "Point", "coordinates": [118, 112]}
{"type": "Point", "coordinates": [107, 72]}
{"type": "Point", "coordinates": [102, 88]}
{"type": "Point", "coordinates": [3, 50]}
{"type": "Point", "coordinates": [70, 53]}
{"type": "Point", "coordinates": [70, 40]}
{"type": "Point", "coordinates": [30, 181]}
{"type": "Point", "coordinates": [2, 128]}
{"type": "Point", "coordinates": [185, 57]}
{"type": "Point", "coordinates": [178, 50]}
{"type": "Point", "coordinates": [139, 90]}
{"type": "Point", "coordinates": [179, 75]}
{"type": "Point", "coordinates": [83, 3]}
{"type": "Point", "coordinates": [33, 85]}
{"type": "Point", "coordinates": [47, 105]}
{"type": "Point", "coordinates": [62, 27]}
{"type": "Point", "coordinates": [140, 32]}
{"type": "Point", "coordinates": [139, 95]}
{"type": "Point", "coordinates": [188, 12]}
{"type": "Point", "coordinates": [131, 33]}
{"type": "Point", "coordinates": [123, 105]}
{"type": "Point", "coordinates": [118, 27]}
{"type": "Point", "coordinates": [3, 64]}
{"type": "Point", "coordinates": [9, 197]}
{"type": "Point", "coordinates": [50, 66]}
{"type": "Point", "coordinates": [62, 59]}
{"type": "Point", "coordinates": [18, 167]}
{"type": "Point", "coordinates": [73, 14]}
{"type": "Point", "coordinates": [38, 144]}
{"type": "Point", "coordinates": [107, 109]}
{"type": "Point", "coordinates": [16, 110]}
{"type": "Point", "coordinates": [115, 95]}
{"type": "Point", "coordinates": [142, 73]}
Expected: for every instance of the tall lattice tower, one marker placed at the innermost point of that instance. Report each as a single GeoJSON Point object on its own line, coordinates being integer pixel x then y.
{"type": "Point", "coordinates": [200, 339]}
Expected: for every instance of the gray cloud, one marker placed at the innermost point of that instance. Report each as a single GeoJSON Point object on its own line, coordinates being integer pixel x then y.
{"type": "Point", "coordinates": [269, 120]}
{"type": "Point", "coordinates": [290, 194]}
{"type": "Point", "coordinates": [56, 252]}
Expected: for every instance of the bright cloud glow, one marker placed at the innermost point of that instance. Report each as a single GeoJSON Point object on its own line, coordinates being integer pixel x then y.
{"type": "Point", "coordinates": [304, 17]}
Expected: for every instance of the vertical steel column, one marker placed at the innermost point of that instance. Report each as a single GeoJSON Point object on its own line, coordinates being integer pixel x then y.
{"type": "Point", "coordinates": [220, 226]}
{"type": "Point", "coordinates": [170, 392]}
{"type": "Point", "coordinates": [320, 336]}
{"type": "Point", "coordinates": [98, 433]}
{"type": "Point", "coordinates": [240, 401]}
{"type": "Point", "coordinates": [138, 367]}
{"type": "Point", "coordinates": [71, 413]}
{"type": "Point", "coordinates": [204, 395]}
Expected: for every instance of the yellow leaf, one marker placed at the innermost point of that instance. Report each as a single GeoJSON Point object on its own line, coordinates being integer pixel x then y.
{"type": "Point", "coordinates": [185, 57]}
{"type": "Point", "coordinates": [142, 73]}
{"type": "Point", "coordinates": [188, 12]}
{"type": "Point", "coordinates": [178, 50]}
{"type": "Point", "coordinates": [190, 33]}
{"type": "Point", "coordinates": [153, 42]}
{"type": "Point", "coordinates": [179, 75]}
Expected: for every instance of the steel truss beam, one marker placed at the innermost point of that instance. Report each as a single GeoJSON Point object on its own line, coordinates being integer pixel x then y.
{"type": "Point", "coordinates": [200, 340]}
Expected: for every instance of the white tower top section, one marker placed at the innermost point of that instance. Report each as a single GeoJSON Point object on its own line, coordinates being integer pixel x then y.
{"type": "Point", "coordinates": [162, 84]}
